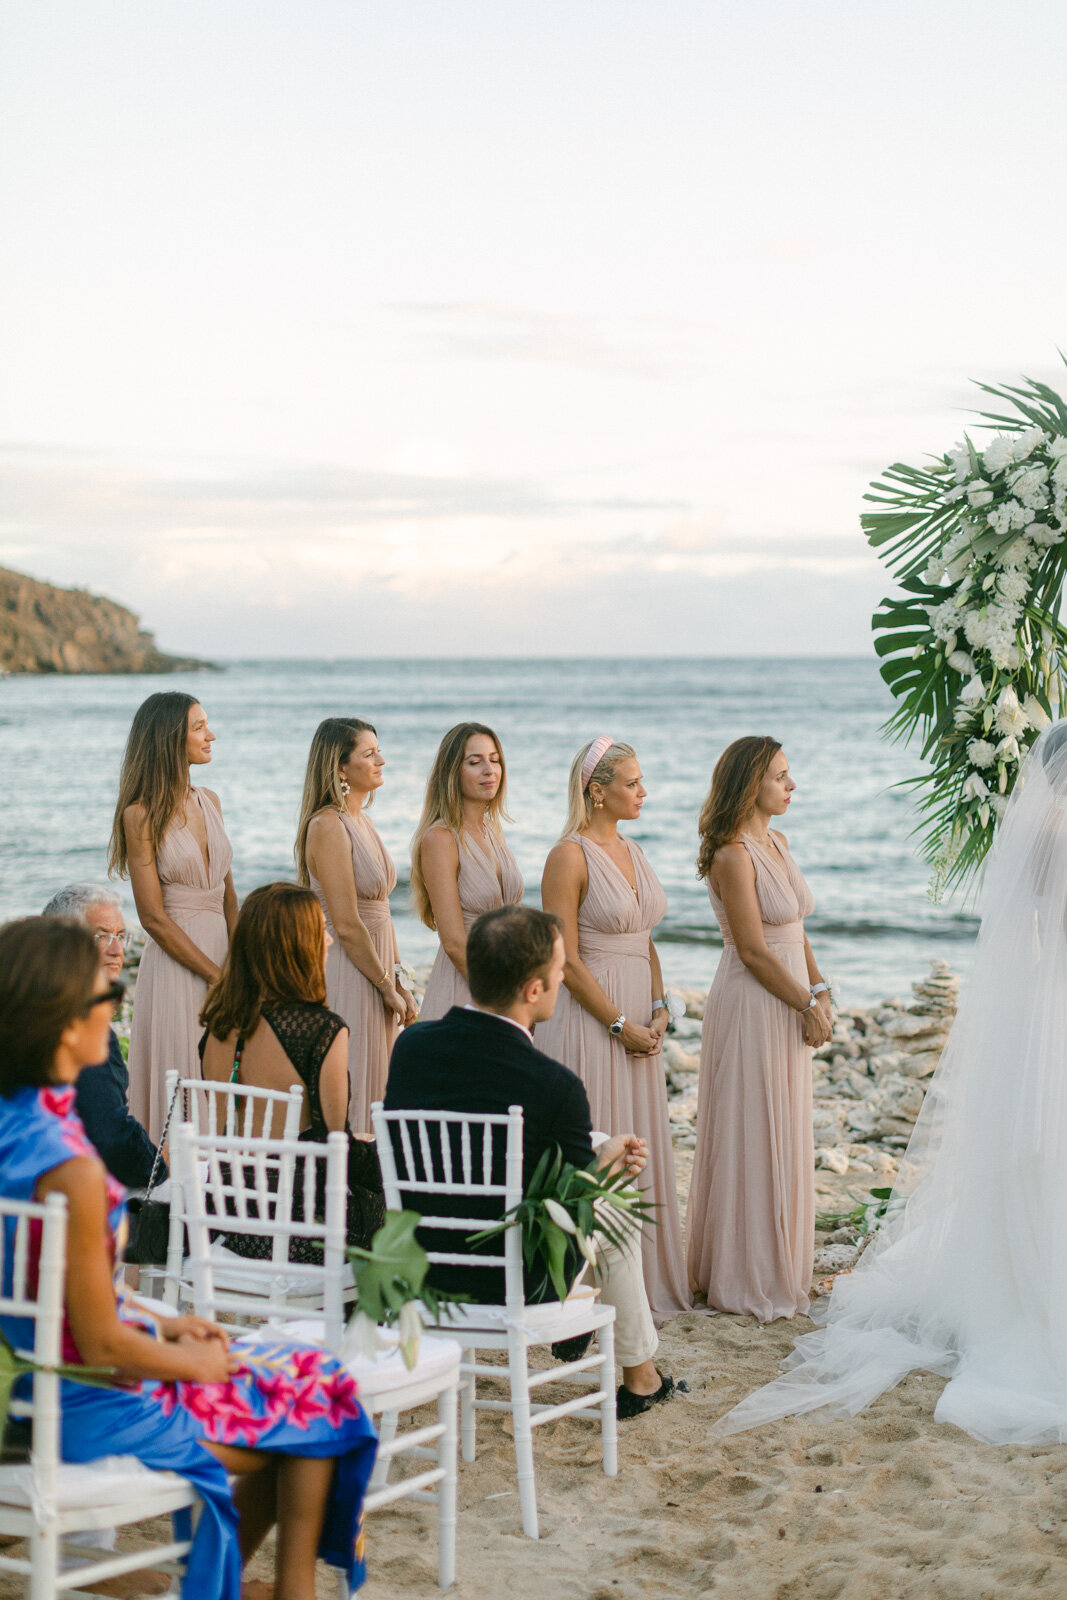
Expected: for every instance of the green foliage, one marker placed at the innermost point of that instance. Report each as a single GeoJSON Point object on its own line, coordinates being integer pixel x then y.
{"type": "Point", "coordinates": [564, 1203]}
{"type": "Point", "coordinates": [866, 1215]}
{"type": "Point", "coordinates": [13, 1366]}
{"type": "Point", "coordinates": [971, 646]}
{"type": "Point", "coordinates": [392, 1273]}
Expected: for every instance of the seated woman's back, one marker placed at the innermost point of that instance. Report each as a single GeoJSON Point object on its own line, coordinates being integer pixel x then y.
{"type": "Point", "coordinates": [296, 1042]}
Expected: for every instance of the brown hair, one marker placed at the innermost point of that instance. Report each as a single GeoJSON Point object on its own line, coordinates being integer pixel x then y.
{"type": "Point", "coordinates": [507, 947]}
{"type": "Point", "coordinates": [332, 743]}
{"type": "Point", "coordinates": [735, 783]}
{"type": "Point", "coordinates": [444, 803]}
{"type": "Point", "coordinates": [275, 957]}
{"type": "Point", "coordinates": [47, 969]}
{"type": "Point", "coordinates": [155, 771]}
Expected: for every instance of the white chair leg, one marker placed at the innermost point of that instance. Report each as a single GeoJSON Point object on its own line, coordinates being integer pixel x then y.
{"type": "Point", "coordinates": [468, 1393]}
{"type": "Point", "coordinates": [387, 1424]}
{"type": "Point", "coordinates": [609, 1421]}
{"type": "Point", "coordinates": [519, 1380]}
{"type": "Point", "coordinates": [343, 1591]}
{"type": "Point", "coordinates": [446, 1489]}
{"type": "Point", "coordinates": [44, 1565]}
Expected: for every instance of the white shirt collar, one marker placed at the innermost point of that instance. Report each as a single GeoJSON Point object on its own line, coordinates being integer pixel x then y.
{"type": "Point", "coordinates": [502, 1018]}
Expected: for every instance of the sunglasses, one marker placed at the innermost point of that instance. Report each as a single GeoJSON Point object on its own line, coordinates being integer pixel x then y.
{"type": "Point", "coordinates": [113, 995]}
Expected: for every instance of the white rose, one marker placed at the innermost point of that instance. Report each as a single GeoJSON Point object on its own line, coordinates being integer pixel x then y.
{"type": "Point", "coordinates": [1036, 715]}
{"type": "Point", "coordinates": [980, 753]}
{"type": "Point", "coordinates": [998, 455]}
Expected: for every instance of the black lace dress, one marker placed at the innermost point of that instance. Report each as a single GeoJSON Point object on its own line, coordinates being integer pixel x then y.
{"type": "Point", "coordinates": [305, 1032]}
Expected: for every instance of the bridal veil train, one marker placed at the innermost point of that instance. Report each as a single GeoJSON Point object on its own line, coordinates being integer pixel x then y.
{"type": "Point", "coordinates": [969, 1277]}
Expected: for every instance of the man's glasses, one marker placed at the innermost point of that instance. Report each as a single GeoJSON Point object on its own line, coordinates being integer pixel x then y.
{"type": "Point", "coordinates": [113, 995]}
{"type": "Point", "coordinates": [105, 940]}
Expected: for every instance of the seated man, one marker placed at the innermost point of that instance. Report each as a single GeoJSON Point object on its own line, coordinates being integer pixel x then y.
{"type": "Point", "coordinates": [101, 1097]}
{"type": "Point", "coordinates": [482, 1058]}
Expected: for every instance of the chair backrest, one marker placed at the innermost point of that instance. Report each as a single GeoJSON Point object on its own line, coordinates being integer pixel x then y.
{"type": "Point", "coordinates": [428, 1153]}
{"type": "Point", "coordinates": [215, 1107]}
{"type": "Point", "coordinates": [36, 1310]}
{"type": "Point", "coordinates": [248, 1189]}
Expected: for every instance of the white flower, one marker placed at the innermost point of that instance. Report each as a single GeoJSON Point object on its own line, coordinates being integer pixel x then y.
{"type": "Point", "coordinates": [979, 493]}
{"type": "Point", "coordinates": [1025, 443]}
{"type": "Point", "coordinates": [560, 1217]}
{"type": "Point", "coordinates": [1059, 471]}
{"type": "Point", "coordinates": [976, 630]}
{"type": "Point", "coordinates": [944, 619]}
{"type": "Point", "coordinates": [362, 1338]}
{"type": "Point", "coordinates": [975, 789]}
{"type": "Point", "coordinates": [1010, 716]}
{"type": "Point", "coordinates": [935, 571]}
{"type": "Point", "coordinates": [1008, 749]}
{"type": "Point", "coordinates": [409, 1329]}
{"type": "Point", "coordinates": [960, 462]}
{"type": "Point", "coordinates": [956, 569]}
{"type": "Point", "coordinates": [1044, 533]}
{"type": "Point", "coordinates": [1058, 446]}
{"type": "Point", "coordinates": [1036, 715]}
{"type": "Point", "coordinates": [973, 693]}
{"type": "Point", "coordinates": [1017, 554]}
{"type": "Point", "coordinates": [962, 715]}
{"type": "Point", "coordinates": [980, 753]}
{"type": "Point", "coordinates": [1013, 585]}
{"type": "Point", "coordinates": [999, 519]}
{"type": "Point", "coordinates": [960, 661]}
{"type": "Point", "coordinates": [587, 1245]}
{"type": "Point", "coordinates": [998, 455]}
{"type": "Point", "coordinates": [999, 802]}
{"type": "Point", "coordinates": [957, 542]}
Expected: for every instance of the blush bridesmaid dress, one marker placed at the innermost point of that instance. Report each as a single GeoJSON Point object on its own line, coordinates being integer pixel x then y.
{"type": "Point", "coordinates": [165, 1030]}
{"type": "Point", "coordinates": [489, 877]}
{"type": "Point", "coordinates": [751, 1225]}
{"type": "Point", "coordinates": [372, 1029]}
{"type": "Point", "coordinates": [627, 1093]}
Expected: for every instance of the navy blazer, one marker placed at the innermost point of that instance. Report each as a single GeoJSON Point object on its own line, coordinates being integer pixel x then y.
{"type": "Point", "coordinates": [472, 1061]}
{"type": "Point", "coordinates": [101, 1102]}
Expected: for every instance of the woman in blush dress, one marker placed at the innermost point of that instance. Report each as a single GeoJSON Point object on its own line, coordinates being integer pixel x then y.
{"type": "Point", "coordinates": [751, 1233]}
{"type": "Point", "coordinates": [168, 838]}
{"type": "Point", "coordinates": [608, 1026]}
{"type": "Point", "coordinates": [460, 861]}
{"type": "Point", "coordinates": [341, 857]}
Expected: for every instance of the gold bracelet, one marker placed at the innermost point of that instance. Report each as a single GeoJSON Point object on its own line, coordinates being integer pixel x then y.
{"type": "Point", "coordinates": [378, 982]}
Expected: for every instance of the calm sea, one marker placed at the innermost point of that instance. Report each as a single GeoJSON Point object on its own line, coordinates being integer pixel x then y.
{"type": "Point", "coordinates": [873, 928]}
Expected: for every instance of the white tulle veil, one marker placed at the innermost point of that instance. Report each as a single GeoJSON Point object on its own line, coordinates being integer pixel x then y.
{"type": "Point", "coordinates": [969, 1278]}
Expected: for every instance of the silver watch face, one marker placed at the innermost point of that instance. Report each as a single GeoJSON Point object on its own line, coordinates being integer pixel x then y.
{"type": "Point", "coordinates": [617, 1026]}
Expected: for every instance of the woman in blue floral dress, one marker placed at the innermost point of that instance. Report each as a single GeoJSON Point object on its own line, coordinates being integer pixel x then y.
{"type": "Point", "coordinates": [284, 1420]}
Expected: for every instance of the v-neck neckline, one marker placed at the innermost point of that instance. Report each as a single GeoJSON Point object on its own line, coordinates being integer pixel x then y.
{"type": "Point", "coordinates": [634, 888]}
{"type": "Point", "coordinates": [205, 861]}
{"type": "Point", "coordinates": [492, 861]}
{"type": "Point", "coordinates": [772, 850]}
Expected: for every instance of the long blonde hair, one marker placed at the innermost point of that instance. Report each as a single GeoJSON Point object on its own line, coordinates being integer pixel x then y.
{"type": "Point", "coordinates": [155, 771]}
{"type": "Point", "coordinates": [331, 745]}
{"type": "Point", "coordinates": [444, 803]}
{"type": "Point", "coordinates": [579, 806]}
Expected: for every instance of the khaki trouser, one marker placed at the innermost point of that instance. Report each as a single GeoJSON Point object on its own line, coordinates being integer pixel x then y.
{"type": "Point", "coordinates": [621, 1283]}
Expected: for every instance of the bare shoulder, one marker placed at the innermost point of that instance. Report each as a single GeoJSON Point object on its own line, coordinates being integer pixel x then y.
{"type": "Point", "coordinates": [134, 817]}
{"type": "Point", "coordinates": [733, 862]}
{"type": "Point", "coordinates": [325, 824]}
{"type": "Point", "coordinates": [779, 835]}
{"type": "Point", "coordinates": [209, 794]}
{"type": "Point", "coordinates": [567, 857]}
{"type": "Point", "coordinates": [439, 844]}
{"type": "Point", "coordinates": [81, 1179]}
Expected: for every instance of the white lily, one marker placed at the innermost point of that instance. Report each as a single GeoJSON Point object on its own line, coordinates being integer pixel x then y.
{"type": "Point", "coordinates": [362, 1339]}
{"type": "Point", "coordinates": [1036, 715]}
{"type": "Point", "coordinates": [587, 1245]}
{"type": "Point", "coordinates": [975, 788]}
{"type": "Point", "coordinates": [409, 1330]}
{"type": "Point", "coordinates": [960, 661]}
{"type": "Point", "coordinates": [560, 1217]}
{"type": "Point", "coordinates": [973, 692]}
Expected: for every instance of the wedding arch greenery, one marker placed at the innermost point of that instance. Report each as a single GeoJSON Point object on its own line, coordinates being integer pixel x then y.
{"type": "Point", "coordinates": [972, 646]}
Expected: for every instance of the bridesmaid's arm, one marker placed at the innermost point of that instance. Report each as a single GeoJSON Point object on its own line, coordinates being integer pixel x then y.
{"type": "Point", "coordinates": [658, 1025]}
{"type": "Point", "coordinates": [439, 858]}
{"type": "Point", "coordinates": [563, 888]}
{"type": "Point", "coordinates": [814, 977]}
{"type": "Point", "coordinates": [148, 898]}
{"type": "Point", "coordinates": [330, 859]}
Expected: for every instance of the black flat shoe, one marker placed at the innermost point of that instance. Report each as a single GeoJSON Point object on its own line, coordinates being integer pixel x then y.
{"type": "Point", "coordinates": [628, 1404]}
{"type": "Point", "coordinates": [572, 1349]}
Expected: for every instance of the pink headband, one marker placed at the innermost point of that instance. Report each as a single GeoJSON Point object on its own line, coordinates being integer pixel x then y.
{"type": "Point", "coordinates": [594, 757]}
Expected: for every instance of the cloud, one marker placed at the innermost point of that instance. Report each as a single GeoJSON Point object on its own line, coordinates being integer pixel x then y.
{"type": "Point", "coordinates": [653, 348]}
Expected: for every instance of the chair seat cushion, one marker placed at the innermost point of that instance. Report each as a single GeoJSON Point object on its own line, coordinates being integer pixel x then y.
{"type": "Point", "coordinates": [111, 1481]}
{"type": "Point", "coordinates": [548, 1320]}
{"type": "Point", "coordinates": [437, 1357]}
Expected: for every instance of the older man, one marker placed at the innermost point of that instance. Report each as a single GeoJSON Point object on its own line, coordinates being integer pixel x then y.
{"type": "Point", "coordinates": [102, 1092]}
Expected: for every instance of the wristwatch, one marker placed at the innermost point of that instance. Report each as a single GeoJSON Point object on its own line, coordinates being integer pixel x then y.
{"type": "Point", "coordinates": [616, 1027]}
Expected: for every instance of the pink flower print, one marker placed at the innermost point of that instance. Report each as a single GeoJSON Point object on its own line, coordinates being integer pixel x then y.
{"type": "Point", "coordinates": [166, 1396]}
{"type": "Point", "coordinates": [277, 1395]}
{"type": "Point", "coordinates": [307, 1363]}
{"type": "Point", "coordinates": [58, 1101]}
{"type": "Point", "coordinates": [340, 1396]}
{"type": "Point", "coordinates": [305, 1409]}
{"type": "Point", "coordinates": [202, 1400]}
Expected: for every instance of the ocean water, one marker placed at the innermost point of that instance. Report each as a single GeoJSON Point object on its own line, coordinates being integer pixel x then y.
{"type": "Point", "coordinates": [874, 927]}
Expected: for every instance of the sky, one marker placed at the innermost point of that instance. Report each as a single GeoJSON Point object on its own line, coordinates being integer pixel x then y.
{"type": "Point", "coordinates": [405, 327]}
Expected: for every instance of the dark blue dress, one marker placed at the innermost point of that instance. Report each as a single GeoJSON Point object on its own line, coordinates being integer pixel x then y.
{"type": "Point", "coordinates": [286, 1399]}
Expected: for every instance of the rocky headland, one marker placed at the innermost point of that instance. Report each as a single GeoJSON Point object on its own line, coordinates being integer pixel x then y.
{"type": "Point", "coordinates": [46, 629]}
